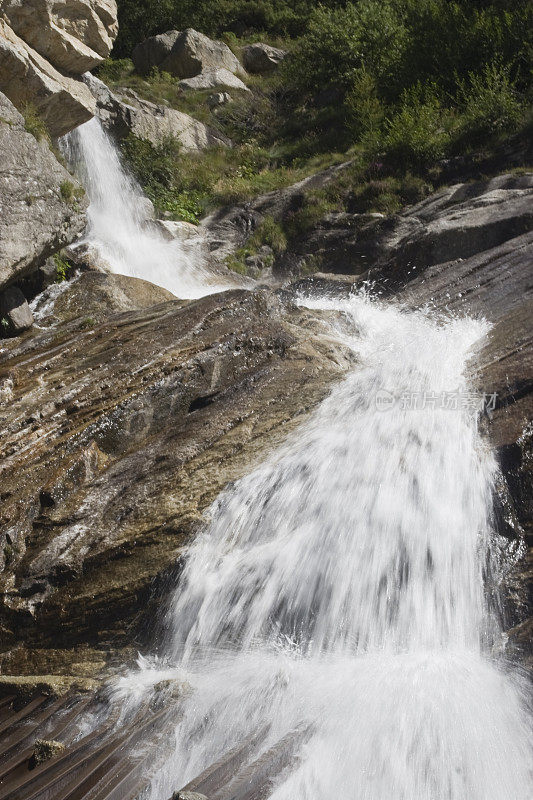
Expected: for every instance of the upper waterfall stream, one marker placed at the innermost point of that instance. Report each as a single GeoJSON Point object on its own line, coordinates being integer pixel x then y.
{"type": "Point", "coordinates": [119, 228]}
{"type": "Point", "coordinates": [342, 589]}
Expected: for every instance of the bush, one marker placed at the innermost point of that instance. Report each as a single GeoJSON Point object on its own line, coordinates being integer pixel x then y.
{"type": "Point", "coordinates": [418, 133]}
{"type": "Point", "coordinates": [489, 102]}
{"type": "Point", "coordinates": [70, 192]}
{"type": "Point", "coordinates": [340, 42]}
{"type": "Point", "coordinates": [114, 70]}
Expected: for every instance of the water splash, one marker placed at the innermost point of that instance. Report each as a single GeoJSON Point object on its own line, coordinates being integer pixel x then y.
{"type": "Point", "coordinates": [341, 586]}
{"type": "Point", "coordinates": [118, 226]}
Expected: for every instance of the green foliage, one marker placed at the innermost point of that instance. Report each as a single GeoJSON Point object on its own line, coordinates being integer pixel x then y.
{"type": "Point", "coordinates": [387, 195]}
{"type": "Point", "coordinates": [34, 123]}
{"type": "Point", "coordinates": [418, 134]}
{"type": "Point", "coordinates": [270, 233]}
{"type": "Point", "coordinates": [70, 192]}
{"type": "Point", "coordinates": [115, 70]}
{"type": "Point", "coordinates": [413, 79]}
{"type": "Point", "coordinates": [490, 102]}
{"type": "Point", "coordinates": [187, 185]}
{"type": "Point", "coordinates": [62, 268]}
{"type": "Point", "coordinates": [316, 205]}
{"type": "Point", "coordinates": [141, 18]}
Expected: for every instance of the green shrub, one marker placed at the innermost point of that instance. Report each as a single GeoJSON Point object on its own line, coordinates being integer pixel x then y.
{"type": "Point", "coordinates": [365, 113]}
{"type": "Point", "coordinates": [70, 192]}
{"type": "Point", "coordinates": [63, 268]}
{"type": "Point", "coordinates": [418, 134]}
{"type": "Point", "coordinates": [490, 102]}
{"type": "Point", "coordinates": [114, 70]}
{"type": "Point", "coordinates": [270, 233]}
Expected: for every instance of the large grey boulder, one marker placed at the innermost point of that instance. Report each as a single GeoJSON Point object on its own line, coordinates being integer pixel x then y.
{"type": "Point", "coordinates": [184, 54]}
{"type": "Point", "coordinates": [15, 313]}
{"type": "Point", "coordinates": [261, 57]}
{"type": "Point", "coordinates": [153, 51]}
{"type": "Point", "coordinates": [129, 113]}
{"type": "Point", "coordinates": [63, 101]}
{"type": "Point", "coordinates": [73, 35]}
{"type": "Point", "coordinates": [38, 210]}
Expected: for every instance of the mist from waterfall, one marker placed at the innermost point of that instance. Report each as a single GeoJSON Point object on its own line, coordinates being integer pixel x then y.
{"type": "Point", "coordinates": [342, 589]}
{"type": "Point", "coordinates": [119, 228]}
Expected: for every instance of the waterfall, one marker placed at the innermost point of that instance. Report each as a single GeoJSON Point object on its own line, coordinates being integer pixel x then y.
{"type": "Point", "coordinates": [119, 229]}
{"type": "Point", "coordinates": [341, 588]}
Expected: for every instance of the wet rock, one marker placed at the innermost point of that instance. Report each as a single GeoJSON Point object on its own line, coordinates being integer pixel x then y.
{"type": "Point", "coordinates": [26, 687]}
{"type": "Point", "coordinates": [176, 229]}
{"type": "Point", "coordinates": [44, 750]}
{"type": "Point", "coordinates": [144, 417]}
{"type": "Point", "coordinates": [189, 796]}
{"type": "Point", "coordinates": [261, 57]}
{"type": "Point", "coordinates": [37, 218]}
{"type": "Point", "coordinates": [229, 228]}
{"type": "Point", "coordinates": [92, 296]}
{"type": "Point", "coordinates": [15, 313]}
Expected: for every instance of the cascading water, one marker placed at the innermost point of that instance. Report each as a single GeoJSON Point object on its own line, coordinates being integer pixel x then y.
{"type": "Point", "coordinates": [118, 226]}
{"type": "Point", "coordinates": [339, 589]}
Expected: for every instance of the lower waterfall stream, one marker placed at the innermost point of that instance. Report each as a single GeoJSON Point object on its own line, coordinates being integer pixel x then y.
{"type": "Point", "coordinates": [345, 589]}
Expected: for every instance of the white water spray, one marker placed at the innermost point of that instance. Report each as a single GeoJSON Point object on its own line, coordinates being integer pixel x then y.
{"type": "Point", "coordinates": [118, 226]}
{"type": "Point", "coordinates": [340, 587]}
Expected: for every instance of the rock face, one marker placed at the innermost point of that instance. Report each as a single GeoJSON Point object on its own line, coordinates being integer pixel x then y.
{"type": "Point", "coordinates": [456, 223]}
{"type": "Point", "coordinates": [27, 78]}
{"type": "Point", "coordinates": [45, 45]}
{"type": "Point", "coordinates": [262, 57]}
{"type": "Point", "coordinates": [92, 296]}
{"type": "Point", "coordinates": [36, 216]}
{"type": "Point", "coordinates": [132, 114]}
{"type": "Point", "coordinates": [229, 228]}
{"type": "Point", "coordinates": [73, 35]}
{"type": "Point", "coordinates": [184, 54]}
{"type": "Point", "coordinates": [15, 314]}
{"type": "Point", "coordinates": [118, 434]}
